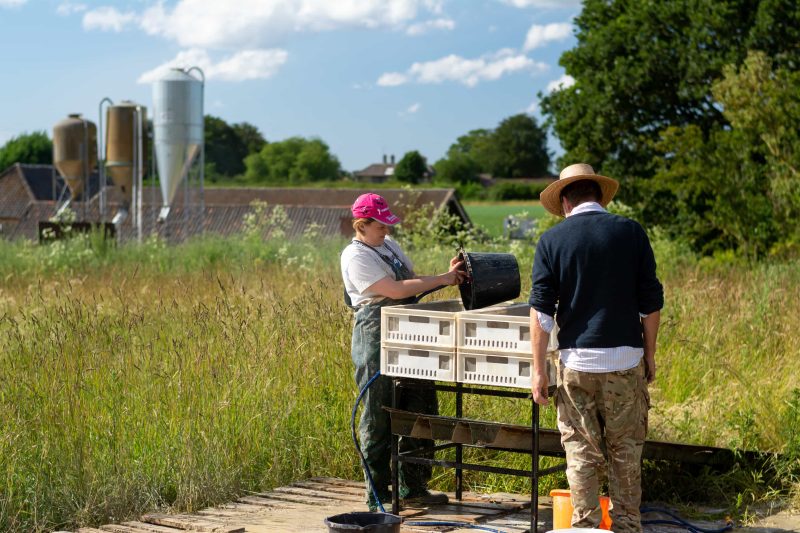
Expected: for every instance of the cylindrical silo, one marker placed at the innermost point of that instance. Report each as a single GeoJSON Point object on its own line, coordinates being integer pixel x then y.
{"type": "Point", "coordinates": [75, 151]}
{"type": "Point", "coordinates": [177, 129]}
{"type": "Point", "coordinates": [124, 143]}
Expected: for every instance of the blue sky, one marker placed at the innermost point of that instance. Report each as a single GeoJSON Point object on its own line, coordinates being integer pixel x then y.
{"type": "Point", "coordinates": [369, 77]}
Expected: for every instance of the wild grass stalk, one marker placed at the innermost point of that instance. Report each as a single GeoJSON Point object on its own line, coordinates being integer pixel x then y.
{"type": "Point", "coordinates": [149, 376]}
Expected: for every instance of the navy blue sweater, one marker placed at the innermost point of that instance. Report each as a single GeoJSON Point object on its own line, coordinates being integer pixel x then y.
{"type": "Point", "coordinates": [600, 270]}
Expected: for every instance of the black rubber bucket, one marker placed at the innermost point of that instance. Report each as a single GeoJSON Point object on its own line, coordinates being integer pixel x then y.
{"type": "Point", "coordinates": [491, 279]}
{"type": "Point", "coordinates": [372, 522]}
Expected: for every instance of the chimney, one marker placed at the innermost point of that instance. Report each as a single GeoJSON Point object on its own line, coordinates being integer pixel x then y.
{"type": "Point", "coordinates": [393, 159]}
{"type": "Point", "coordinates": [384, 159]}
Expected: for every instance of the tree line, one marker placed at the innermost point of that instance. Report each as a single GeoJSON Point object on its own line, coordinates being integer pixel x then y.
{"type": "Point", "coordinates": [239, 153]}
{"type": "Point", "coordinates": [695, 106]}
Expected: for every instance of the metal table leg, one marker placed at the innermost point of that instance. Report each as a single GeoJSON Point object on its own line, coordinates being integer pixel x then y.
{"type": "Point", "coordinates": [459, 447]}
{"type": "Point", "coordinates": [535, 467]}
{"type": "Point", "coordinates": [395, 458]}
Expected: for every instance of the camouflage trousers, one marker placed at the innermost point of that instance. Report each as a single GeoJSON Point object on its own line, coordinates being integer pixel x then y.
{"type": "Point", "coordinates": [374, 429]}
{"type": "Point", "coordinates": [602, 418]}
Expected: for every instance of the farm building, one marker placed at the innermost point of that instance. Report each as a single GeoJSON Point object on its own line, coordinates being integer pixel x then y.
{"type": "Point", "coordinates": [382, 172]}
{"type": "Point", "coordinates": [30, 194]}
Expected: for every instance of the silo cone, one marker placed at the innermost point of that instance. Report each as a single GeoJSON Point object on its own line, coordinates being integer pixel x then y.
{"type": "Point", "coordinates": [178, 130]}
{"type": "Point", "coordinates": [75, 151]}
{"type": "Point", "coordinates": [121, 143]}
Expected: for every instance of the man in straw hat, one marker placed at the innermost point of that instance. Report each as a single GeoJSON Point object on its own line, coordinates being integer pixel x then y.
{"type": "Point", "coordinates": [599, 270]}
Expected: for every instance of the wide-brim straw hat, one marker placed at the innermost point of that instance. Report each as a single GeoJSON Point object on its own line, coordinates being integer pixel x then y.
{"type": "Point", "coordinates": [551, 196]}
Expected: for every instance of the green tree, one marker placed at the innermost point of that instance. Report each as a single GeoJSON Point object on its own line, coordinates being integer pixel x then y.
{"type": "Point", "coordinates": [518, 148]}
{"type": "Point", "coordinates": [765, 103]}
{"type": "Point", "coordinates": [293, 161]}
{"type": "Point", "coordinates": [227, 146]}
{"type": "Point", "coordinates": [735, 187]}
{"type": "Point", "coordinates": [457, 168]}
{"type": "Point", "coordinates": [477, 145]}
{"type": "Point", "coordinates": [249, 135]}
{"type": "Point", "coordinates": [411, 168]}
{"type": "Point", "coordinates": [641, 67]}
{"type": "Point", "coordinates": [33, 148]}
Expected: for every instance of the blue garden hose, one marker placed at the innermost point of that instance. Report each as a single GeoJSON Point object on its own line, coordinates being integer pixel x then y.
{"type": "Point", "coordinates": [680, 522]}
{"type": "Point", "coordinates": [355, 441]}
{"type": "Point", "coordinates": [461, 525]}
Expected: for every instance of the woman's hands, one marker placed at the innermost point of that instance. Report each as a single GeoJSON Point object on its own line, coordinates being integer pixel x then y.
{"type": "Point", "coordinates": [455, 275]}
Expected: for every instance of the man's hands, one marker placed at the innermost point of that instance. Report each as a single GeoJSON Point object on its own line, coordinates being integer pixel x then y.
{"type": "Point", "coordinates": [539, 387]}
{"type": "Point", "coordinates": [650, 325]}
{"type": "Point", "coordinates": [650, 368]}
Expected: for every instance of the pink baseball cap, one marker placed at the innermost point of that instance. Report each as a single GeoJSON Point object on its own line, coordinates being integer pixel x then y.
{"type": "Point", "coordinates": [371, 205]}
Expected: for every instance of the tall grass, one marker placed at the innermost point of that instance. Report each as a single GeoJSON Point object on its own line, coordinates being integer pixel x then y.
{"type": "Point", "coordinates": [145, 377]}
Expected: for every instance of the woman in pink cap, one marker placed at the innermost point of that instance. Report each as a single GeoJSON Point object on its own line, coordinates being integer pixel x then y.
{"type": "Point", "coordinates": [377, 273]}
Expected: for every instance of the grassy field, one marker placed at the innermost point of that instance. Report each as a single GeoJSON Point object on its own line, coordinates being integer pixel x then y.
{"type": "Point", "coordinates": [153, 377]}
{"type": "Point", "coordinates": [490, 216]}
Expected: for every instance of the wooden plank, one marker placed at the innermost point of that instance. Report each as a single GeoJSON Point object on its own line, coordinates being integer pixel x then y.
{"type": "Point", "coordinates": [191, 523]}
{"type": "Point", "coordinates": [263, 502]}
{"type": "Point", "coordinates": [296, 498]}
{"type": "Point", "coordinates": [118, 528]}
{"type": "Point", "coordinates": [89, 530]}
{"type": "Point", "coordinates": [451, 514]}
{"type": "Point", "coordinates": [319, 494]}
{"type": "Point", "coordinates": [339, 481]}
{"type": "Point", "coordinates": [234, 507]}
{"type": "Point", "coordinates": [483, 504]}
{"type": "Point", "coordinates": [517, 523]}
{"type": "Point", "coordinates": [150, 528]}
{"type": "Point", "coordinates": [336, 489]}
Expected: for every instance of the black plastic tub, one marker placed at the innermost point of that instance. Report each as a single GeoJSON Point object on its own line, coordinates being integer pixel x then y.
{"type": "Point", "coordinates": [492, 278]}
{"type": "Point", "coordinates": [371, 522]}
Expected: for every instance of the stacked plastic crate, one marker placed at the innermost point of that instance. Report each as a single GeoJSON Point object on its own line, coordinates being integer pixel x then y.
{"type": "Point", "coordinates": [441, 341]}
{"type": "Point", "coordinates": [419, 340]}
{"type": "Point", "coordinates": [494, 347]}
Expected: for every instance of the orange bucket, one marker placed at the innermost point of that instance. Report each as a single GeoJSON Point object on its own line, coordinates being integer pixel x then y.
{"type": "Point", "coordinates": [562, 510]}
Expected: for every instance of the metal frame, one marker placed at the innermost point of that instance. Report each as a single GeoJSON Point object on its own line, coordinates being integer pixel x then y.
{"type": "Point", "coordinates": [414, 456]}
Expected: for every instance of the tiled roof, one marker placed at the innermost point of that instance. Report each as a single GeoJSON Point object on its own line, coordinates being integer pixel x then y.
{"type": "Point", "coordinates": [376, 169]}
{"type": "Point", "coordinates": [326, 210]}
{"type": "Point", "coordinates": [15, 197]}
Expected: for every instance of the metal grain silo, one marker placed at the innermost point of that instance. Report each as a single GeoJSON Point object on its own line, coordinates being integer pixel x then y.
{"type": "Point", "coordinates": [75, 151]}
{"type": "Point", "coordinates": [125, 144]}
{"type": "Point", "coordinates": [177, 129]}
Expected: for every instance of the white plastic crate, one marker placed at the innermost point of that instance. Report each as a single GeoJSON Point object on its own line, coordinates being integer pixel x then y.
{"type": "Point", "coordinates": [501, 370]}
{"type": "Point", "coordinates": [418, 362]}
{"type": "Point", "coordinates": [427, 324]}
{"type": "Point", "coordinates": [499, 330]}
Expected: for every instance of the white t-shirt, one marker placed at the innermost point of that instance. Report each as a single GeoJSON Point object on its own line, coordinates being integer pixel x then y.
{"type": "Point", "coordinates": [362, 268]}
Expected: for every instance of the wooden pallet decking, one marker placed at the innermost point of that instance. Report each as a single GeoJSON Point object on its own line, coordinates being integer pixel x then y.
{"type": "Point", "coordinates": [303, 506]}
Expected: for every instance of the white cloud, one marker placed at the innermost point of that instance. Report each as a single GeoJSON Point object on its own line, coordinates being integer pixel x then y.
{"type": "Point", "coordinates": [68, 8]}
{"type": "Point", "coordinates": [12, 3]}
{"type": "Point", "coordinates": [533, 108]}
{"type": "Point", "coordinates": [241, 66]}
{"type": "Point", "coordinates": [436, 24]}
{"type": "Point", "coordinates": [543, 3]}
{"type": "Point", "coordinates": [413, 108]}
{"type": "Point", "coordinates": [255, 23]}
{"type": "Point", "coordinates": [539, 35]}
{"type": "Point", "coordinates": [392, 79]}
{"type": "Point", "coordinates": [107, 19]}
{"type": "Point", "coordinates": [470, 72]}
{"type": "Point", "coordinates": [561, 83]}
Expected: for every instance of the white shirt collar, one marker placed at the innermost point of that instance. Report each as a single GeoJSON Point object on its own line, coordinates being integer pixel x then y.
{"type": "Point", "coordinates": [587, 207]}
